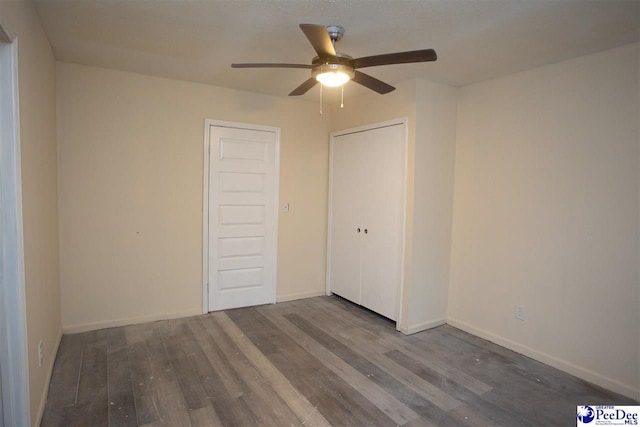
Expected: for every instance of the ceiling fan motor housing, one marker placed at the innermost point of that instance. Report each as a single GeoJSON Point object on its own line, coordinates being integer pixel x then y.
{"type": "Point", "coordinates": [335, 32]}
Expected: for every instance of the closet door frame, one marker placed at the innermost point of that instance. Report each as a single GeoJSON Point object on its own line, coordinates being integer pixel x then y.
{"type": "Point", "coordinates": [404, 123]}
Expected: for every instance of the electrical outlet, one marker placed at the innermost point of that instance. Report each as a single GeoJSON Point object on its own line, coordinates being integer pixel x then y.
{"type": "Point", "coordinates": [40, 353]}
{"type": "Point", "coordinates": [520, 314]}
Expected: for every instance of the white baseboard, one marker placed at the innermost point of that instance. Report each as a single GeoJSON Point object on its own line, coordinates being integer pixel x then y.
{"type": "Point", "coordinates": [84, 327]}
{"type": "Point", "coordinates": [563, 365]}
{"type": "Point", "coordinates": [408, 330]}
{"type": "Point", "coordinates": [45, 391]}
{"type": "Point", "coordinates": [299, 295]}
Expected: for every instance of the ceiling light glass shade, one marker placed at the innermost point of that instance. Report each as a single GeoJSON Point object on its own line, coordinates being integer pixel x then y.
{"type": "Point", "coordinates": [333, 78]}
{"type": "Point", "coordinates": [333, 75]}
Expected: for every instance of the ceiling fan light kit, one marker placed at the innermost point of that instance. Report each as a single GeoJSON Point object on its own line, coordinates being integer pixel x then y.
{"type": "Point", "coordinates": [334, 69]}
{"type": "Point", "coordinates": [333, 75]}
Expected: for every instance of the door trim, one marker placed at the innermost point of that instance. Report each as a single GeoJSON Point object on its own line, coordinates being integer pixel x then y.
{"type": "Point", "coordinates": [404, 122]}
{"type": "Point", "coordinates": [13, 316]}
{"type": "Point", "coordinates": [205, 202]}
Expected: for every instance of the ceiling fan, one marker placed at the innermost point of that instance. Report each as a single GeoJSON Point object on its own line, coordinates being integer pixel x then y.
{"type": "Point", "coordinates": [332, 68]}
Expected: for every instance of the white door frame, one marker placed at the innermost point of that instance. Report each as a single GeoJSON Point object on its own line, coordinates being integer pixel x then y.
{"type": "Point", "coordinates": [205, 202]}
{"type": "Point", "coordinates": [404, 122]}
{"type": "Point", "coordinates": [13, 318]}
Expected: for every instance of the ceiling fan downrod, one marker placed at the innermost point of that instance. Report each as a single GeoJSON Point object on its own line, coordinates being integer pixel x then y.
{"type": "Point", "coordinates": [335, 33]}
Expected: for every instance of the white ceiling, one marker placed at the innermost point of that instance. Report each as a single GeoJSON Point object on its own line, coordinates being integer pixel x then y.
{"type": "Point", "coordinates": [197, 40]}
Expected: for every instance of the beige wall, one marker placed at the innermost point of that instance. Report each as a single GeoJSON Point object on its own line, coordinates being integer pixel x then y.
{"type": "Point", "coordinates": [431, 112]}
{"type": "Point", "coordinates": [36, 68]}
{"type": "Point", "coordinates": [546, 215]}
{"type": "Point", "coordinates": [131, 172]}
{"type": "Point", "coordinates": [433, 204]}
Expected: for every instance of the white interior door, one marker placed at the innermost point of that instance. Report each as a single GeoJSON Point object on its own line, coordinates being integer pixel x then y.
{"type": "Point", "coordinates": [367, 216]}
{"type": "Point", "coordinates": [14, 380]}
{"type": "Point", "coordinates": [242, 216]}
{"type": "Point", "coordinates": [383, 195]}
{"type": "Point", "coordinates": [346, 224]}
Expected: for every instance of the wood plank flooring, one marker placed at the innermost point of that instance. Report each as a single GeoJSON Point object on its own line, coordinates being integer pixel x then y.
{"type": "Point", "coordinates": [315, 362]}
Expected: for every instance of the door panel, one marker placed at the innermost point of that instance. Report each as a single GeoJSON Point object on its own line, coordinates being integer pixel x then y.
{"type": "Point", "coordinates": [382, 217]}
{"type": "Point", "coordinates": [345, 217]}
{"type": "Point", "coordinates": [242, 217]}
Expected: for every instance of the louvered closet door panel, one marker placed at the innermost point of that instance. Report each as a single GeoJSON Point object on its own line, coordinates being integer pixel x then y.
{"type": "Point", "coordinates": [382, 209]}
{"type": "Point", "coordinates": [345, 216]}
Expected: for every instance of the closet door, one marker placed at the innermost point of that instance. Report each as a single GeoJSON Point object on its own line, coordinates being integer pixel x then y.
{"type": "Point", "coordinates": [367, 211]}
{"type": "Point", "coordinates": [382, 192]}
{"type": "Point", "coordinates": [346, 226]}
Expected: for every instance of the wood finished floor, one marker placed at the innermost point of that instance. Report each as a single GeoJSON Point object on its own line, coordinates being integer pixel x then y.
{"type": "Point", "coordinates": [315, 362]}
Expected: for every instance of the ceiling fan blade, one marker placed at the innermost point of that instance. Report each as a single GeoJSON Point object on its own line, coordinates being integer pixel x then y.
{"type": "Point", "coordinates": [396, 58]}
{"type": "Point", "coordinates": [372, 83]}
{"type": "Point", "coordinates": [319, 39]}
{"type": "Point", "coordinates": [304, 87]}
{"type": "Point", "coordinates": [270, 65]}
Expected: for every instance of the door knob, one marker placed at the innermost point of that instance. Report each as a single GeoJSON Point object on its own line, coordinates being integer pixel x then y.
{"type": "Point", "coordinates": [366, 231]}
{"type": "Point", "coordinates": [358, 229]}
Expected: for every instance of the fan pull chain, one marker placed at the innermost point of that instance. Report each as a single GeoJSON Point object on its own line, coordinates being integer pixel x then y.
{"type": "Point", "coordinates": [320, 98]}
{"type": "Point", "coordinates": [342, 98]}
